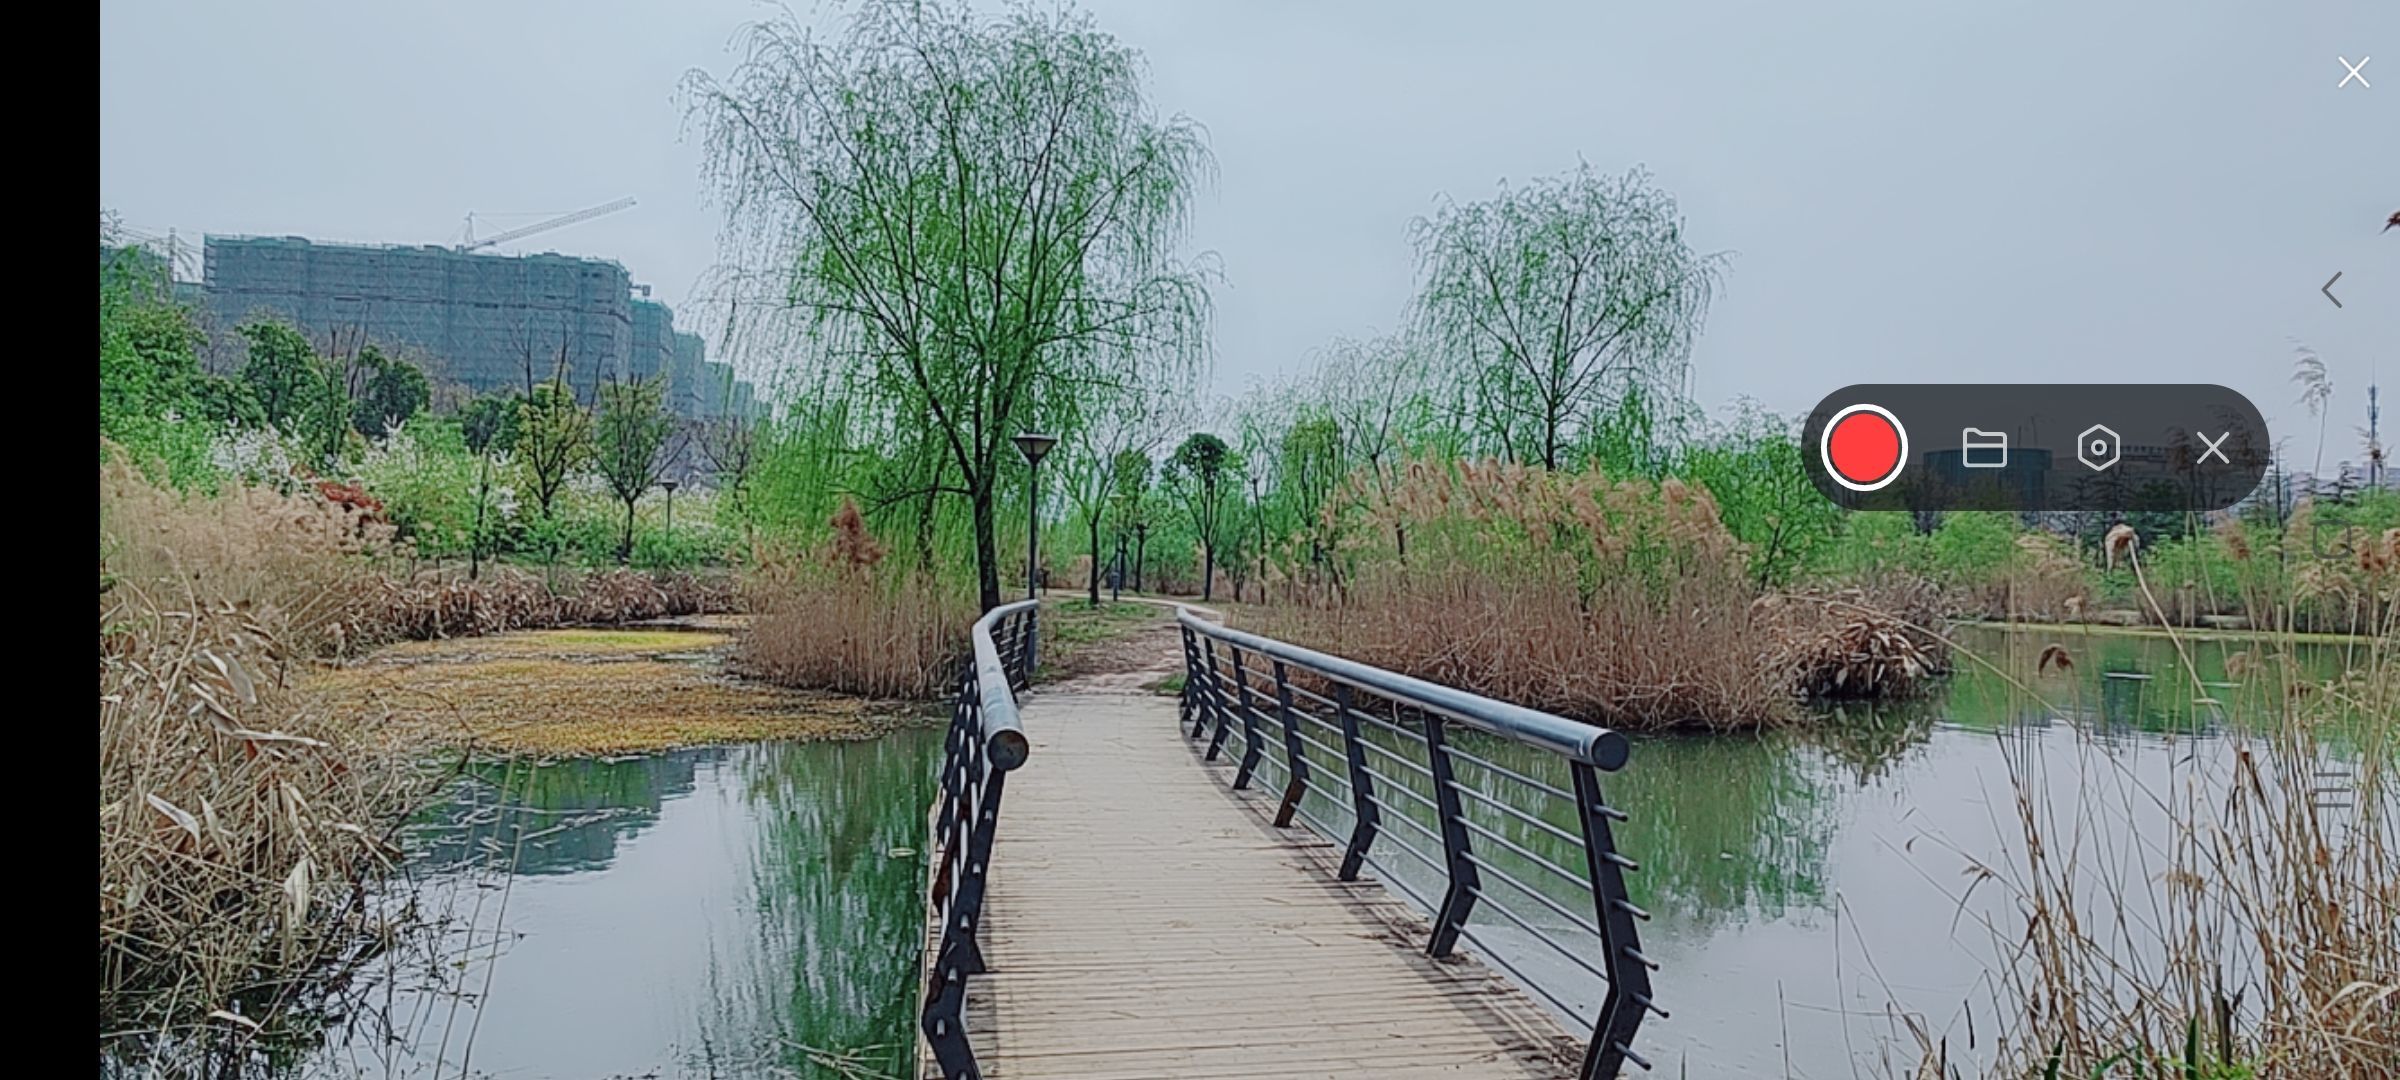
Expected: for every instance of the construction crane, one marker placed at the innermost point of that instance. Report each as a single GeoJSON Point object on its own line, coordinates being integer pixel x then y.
{"type": "Point", "coordinates": [560, 221]}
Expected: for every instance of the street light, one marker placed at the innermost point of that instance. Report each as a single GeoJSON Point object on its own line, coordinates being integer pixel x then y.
{"type": "Point", "coordinates": [670, 486]}
{"type": "Point", "coordinates": [1033, 445]}
{"type": "Point", "coordinates": [1141, 549]}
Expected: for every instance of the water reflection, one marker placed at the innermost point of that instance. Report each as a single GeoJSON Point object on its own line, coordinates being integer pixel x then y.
{"type": "Point", "coordinates": [556, 817]}
{"type": "Point", "coordinates": [746, 910]}
{"type": "Point", "coordinates": [1804, 881]}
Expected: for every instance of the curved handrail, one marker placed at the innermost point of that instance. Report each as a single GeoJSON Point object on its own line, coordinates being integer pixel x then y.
{"type": "Point", "coordinates": [1600, 747]}
{"type": "Point", "coordinates": [985, 744]}
{"type": "Point", "coordinates": [1003, 736]}
{"type": "Point", "coordinates": [1497, 823]}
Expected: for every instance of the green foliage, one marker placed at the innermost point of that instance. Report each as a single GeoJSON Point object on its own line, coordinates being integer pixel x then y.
{"type": "Point", "coordinates": [388, 391]}
{"type": "Point", "coordinates": [226, 403]}
{"type": "Point", "coordinates": [629, 445]}
{"type": "Point", "coordinates": [489, 423]}
{"type": "Point", "coordinates": [1196, 476]}
{"type": "Point", "coordinates": [154, 402]}
{"type": "Point", "coordinates": [1755, 471]}
{"type": "Point", "coordinates": [554, 438]}
{"type": "Point", "coordinates": [1558, 299]}
{"type": "Point", "coordinates": [977, 217]}
{"type": "Point", "coordinates": [430, 484]}
{"type": "Point", "coordinates": [282, 372]}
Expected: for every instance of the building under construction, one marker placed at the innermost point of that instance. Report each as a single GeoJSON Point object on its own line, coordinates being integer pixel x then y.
{"type": "Point", "coordinates": [491, 323]}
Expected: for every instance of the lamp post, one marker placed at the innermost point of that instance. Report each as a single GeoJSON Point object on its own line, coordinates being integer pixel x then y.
{"type": "Point", "coordinates": [1141, 551]}
{"type": "Point", "coordinates": [1033, 445]}
{"type": "Point", "coordinates": [670, 485]}
{"type": "Point", "coordinates": [1116, 573]}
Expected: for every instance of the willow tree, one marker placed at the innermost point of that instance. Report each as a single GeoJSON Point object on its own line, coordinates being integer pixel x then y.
{"type": "Point", "coordinates": [1381, 395]}
{"type": "Point", "coordinates": [977, 216]}
{"type": "Point", "coordinates": [1559, 298]}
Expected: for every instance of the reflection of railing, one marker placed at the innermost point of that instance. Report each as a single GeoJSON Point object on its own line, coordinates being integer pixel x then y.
{"type": "Point", "coordinates": [985, 743]}
{"type": "Point", "coordinates": [1363, 739]}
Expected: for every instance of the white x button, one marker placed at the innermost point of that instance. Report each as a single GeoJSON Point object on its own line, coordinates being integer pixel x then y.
{"type": "Point", "coordinates": [2353, 72]}
{"type": "Point", "coordinates": [2213, 448]}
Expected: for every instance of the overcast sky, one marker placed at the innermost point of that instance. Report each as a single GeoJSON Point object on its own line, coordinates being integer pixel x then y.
{"type": "Point", "coordinates": [2141, 190]}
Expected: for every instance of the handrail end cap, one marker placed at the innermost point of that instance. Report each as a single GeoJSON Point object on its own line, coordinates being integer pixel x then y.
{"type": "Point", "coordinates": [1609, 750]}
{"type": "Point", "coordinates": [1007, 749]}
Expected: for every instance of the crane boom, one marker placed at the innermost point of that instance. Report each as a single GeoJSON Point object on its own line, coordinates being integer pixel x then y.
{"type": "Point", "coordinates": [560, 221]}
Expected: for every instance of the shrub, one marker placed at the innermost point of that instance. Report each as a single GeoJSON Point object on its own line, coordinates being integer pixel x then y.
{"type": "Point", "coordinates": [844, 618]}
{"type": "Point", "coordinates": [239, 819]}
{"type": "Point", "coordinates": [310, 560]}
{"type": "Point", "coordinates": [1624, 603]}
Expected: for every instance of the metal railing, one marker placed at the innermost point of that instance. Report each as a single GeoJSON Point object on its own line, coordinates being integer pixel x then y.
{"type": "Point", "coordinates": [1414, 768]}
{"type": "Point", "coordinates": [985, 743]}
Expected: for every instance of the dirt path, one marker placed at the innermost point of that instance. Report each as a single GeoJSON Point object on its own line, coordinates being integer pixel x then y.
{"type": "Point", "coordinates": [1133, 660]}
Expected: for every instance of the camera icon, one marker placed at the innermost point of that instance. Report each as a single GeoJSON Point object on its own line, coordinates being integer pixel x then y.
{"type": "Point", "coordinates": [2097, 448]}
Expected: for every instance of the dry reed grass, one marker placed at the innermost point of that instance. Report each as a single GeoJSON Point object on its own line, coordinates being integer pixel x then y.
{"type": "Point", "coordinates": [239, 820]}
{"type": "Point", "coordinates": [243, 815]}
{"type": "Point", "coordinates": [1625, 603]}
{"type": "Point", "coordinates": [842, 619]}
{"type": "Point", "coordinates": [339, 582]}
{"type": "Point", "coordinates": [309, 560]}
{"type": "Point", "coordinates": [2238, 920]}
{"type": "Point", "coordinates": [1859, 642]}
{"type": "Point", "coordinates": [444, 605]}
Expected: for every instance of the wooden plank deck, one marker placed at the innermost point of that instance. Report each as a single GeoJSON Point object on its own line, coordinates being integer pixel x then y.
{"type": "Point", "coordinates": [1146, 921]}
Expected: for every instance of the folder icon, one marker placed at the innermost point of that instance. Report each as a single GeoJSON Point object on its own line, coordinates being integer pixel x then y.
{"type": "Point", "coordinates": [1984, 449]}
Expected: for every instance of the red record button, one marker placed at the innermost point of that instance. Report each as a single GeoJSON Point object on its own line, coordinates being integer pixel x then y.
{"type": "Point", "coordinates": [1864, 447]}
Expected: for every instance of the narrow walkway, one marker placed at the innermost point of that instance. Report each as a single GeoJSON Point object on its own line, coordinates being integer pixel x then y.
{"type": "Point", "coordinates": [1145, 921]}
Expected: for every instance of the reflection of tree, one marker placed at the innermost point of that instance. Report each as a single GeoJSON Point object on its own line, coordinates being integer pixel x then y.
{"type": "Point", "coordinates": [1870, 737]}
{"type": "Point", "coordinates": [830, 976]}
{"type": "Point", "coordinates": [1723, 825]}
{"type": "Point", "coordinates": [2104, 691]}
{"type": "Point", "coordinates": [571, 813]}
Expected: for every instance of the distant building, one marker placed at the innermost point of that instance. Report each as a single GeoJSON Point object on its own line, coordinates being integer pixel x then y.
{"type": "Point", "coordinates": [2019, 484]}
{"type": "Point", "coordinates": [684, 392]}
{"type": "Point", "coordinates": [486, 322]}
{"type": "Point", "coordinates": [653, 354]}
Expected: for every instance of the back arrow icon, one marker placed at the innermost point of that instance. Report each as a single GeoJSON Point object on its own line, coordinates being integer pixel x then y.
{"type": "Point", "coordinates": [2327, 289]}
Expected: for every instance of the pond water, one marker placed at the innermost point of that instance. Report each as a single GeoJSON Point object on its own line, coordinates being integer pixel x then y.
{"type": "Point", "coordinates": [1812, 890]}
{"type": "Point", "coordinates": [734, 911]}
{"type": "Point", "coordinates": [754, 910]}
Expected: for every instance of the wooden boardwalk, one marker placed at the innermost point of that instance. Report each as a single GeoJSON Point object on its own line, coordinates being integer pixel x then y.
{"type": "Point", "coordinates": [1146, 921]}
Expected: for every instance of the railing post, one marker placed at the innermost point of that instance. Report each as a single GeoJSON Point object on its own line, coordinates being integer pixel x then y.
{"type": "Point", "coordinates": [1628, 970]}
{"type": "Point", "coordinates": [965, 863]}
{"type": "Point", "coordinates": [954, 757]}
{"type": "Point", "coordinates": [1032, 629]}
{"type": "Point", "coordinates": [1208, 687]}
{"type": "Point", "coordinates": [1250, 752]}
{"type": "Point", "coordinates": [1295, 764]}
{"type": "Point", "coordinates": [1366, 816]}
{"type": "Point", "coordinates": [1216, 742]}
{"type": "Point", "coordinates": [1187, 703]}
{"type": "Point", "coordinates": [1459, 900]}
{"type": "Point", "coordinates": [1201, 687]}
